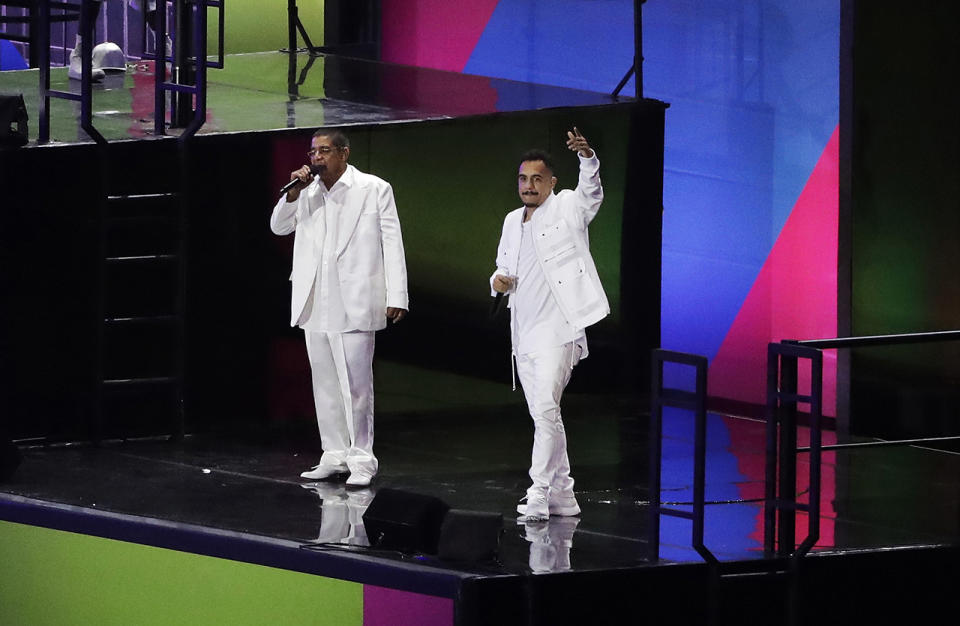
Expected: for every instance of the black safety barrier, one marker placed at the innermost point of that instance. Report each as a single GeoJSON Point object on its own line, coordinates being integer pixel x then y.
{"type": "Point", "coordinates": [867, 341]}
{"type": "Point", "coordinates": [782, 405]}
{"type": "Point", "coordinates": [780, 502]}
{"type": "Point", "coordinates": [695, 401]}
{"type": "Point", "coordinates": [189, 86]}
{"type": "Point", "coordinates": [160, 53]}
{"type": "Point", "coordinates": [39, 19]}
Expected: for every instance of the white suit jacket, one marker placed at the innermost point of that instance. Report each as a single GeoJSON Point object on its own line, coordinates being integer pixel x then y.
{"type": "Point", "coordinates": [562, 245]}
{"type": "Point", "coordinates": [369, 248]}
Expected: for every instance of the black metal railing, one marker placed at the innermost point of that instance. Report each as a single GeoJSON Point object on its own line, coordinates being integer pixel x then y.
{"type": "Point", "coordinates": [39, 20]}
{"type": "Point", "coordinates": [189, 85]}
{"type": "Point", "coordinates": [695, 401]}
{"type": "Point", "coordinates": [782, 448]}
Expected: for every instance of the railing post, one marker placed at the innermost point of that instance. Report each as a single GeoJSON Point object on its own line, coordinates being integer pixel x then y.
{"type": "Point", "coordinates": [780, 504]}
{"type": "Point", "coordinates": [770, 465]}
{"type": "Point", "coordinates": [160, 70]}
{"type": "Point", "coordinates": [42, 56]}
{"type": "Point", "coordinates": [787, 475]}
{"type": "Point", "coordinates": [655, 433]}
{"type": "Point", "coordinates": [815, 459]}
{"type": "Point", "coordinates": [695, 401]}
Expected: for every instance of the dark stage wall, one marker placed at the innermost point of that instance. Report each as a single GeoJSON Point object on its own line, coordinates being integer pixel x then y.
{"type": "Point", "coordinates": [454, 180]}
{"type": "Point", "coordinates": [905, 226]}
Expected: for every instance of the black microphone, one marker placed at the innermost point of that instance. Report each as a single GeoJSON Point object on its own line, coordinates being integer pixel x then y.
{"type": "Point", "coordinates": [314, 170]}
{"type": "Point", "coordinates": [496, 306]}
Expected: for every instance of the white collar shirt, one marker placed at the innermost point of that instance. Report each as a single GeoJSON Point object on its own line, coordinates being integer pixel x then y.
{"type": "Point", "coordinates": [540, 324]}
{"type": "Point", "coordinates": [324, 310]}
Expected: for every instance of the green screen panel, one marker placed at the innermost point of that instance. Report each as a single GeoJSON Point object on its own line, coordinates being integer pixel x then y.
{"type": "Point", "coordinates": [256, 26]}
{"type": "Point", "coordinates": [56, 577]}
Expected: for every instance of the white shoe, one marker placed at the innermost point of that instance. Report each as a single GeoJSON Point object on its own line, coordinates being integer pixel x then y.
{"type": "Point", "coordinates": [322, 472]}
{"type": "Point", "coordinates": [76, 66]}
{"type": "Point", "coordinates": [565, 506]}
{"type": "Point", "coordinates": [359, 479]}
{"type": "Point", "coordinates": [535, 510]}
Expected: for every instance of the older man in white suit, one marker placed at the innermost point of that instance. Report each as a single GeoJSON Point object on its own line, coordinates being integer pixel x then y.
{"type": "Point", "coordinates": [349, 277]}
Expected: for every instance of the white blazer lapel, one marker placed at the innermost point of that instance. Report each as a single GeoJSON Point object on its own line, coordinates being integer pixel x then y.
{"type": "Point", "coordinates": [314, 214]}
{"type": "Point", "coordinates": [349, 215]}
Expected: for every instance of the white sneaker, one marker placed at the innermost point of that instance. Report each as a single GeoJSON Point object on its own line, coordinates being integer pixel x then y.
{"type": "Point", "coordinates": [76, 67]}
{"type": "Point", "coordinates": [564, 505]}
{"type": "Point", "coordinates": [359, 479]}
{"type": "Point", "coordinates": [535, 510]}
{"type": "Point", "coordinates": [322, 472]}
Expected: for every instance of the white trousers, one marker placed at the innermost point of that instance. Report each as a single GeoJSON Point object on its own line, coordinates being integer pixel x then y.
{"type": "Point", "coordinates": [341, 365]}
{"type": "Point", "coordinates": [544, 375]}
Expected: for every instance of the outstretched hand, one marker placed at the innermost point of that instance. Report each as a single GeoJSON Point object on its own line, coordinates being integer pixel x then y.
{"type": "Point", "coordinates": [578, 143]}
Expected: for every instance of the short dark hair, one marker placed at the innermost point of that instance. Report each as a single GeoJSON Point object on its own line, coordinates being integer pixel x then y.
{"type": "Point", "coordinates": [538, 155]}
{"type": "Point", "coordinates": [337, 137]}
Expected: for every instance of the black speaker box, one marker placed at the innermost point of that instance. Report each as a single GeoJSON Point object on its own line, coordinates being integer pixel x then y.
{"type": "Point", "coordinates": [470, 536]}
{"type": "Point", "coordinates": [404, 521]}
{"type": "Point", "coordinates": [13, 122]}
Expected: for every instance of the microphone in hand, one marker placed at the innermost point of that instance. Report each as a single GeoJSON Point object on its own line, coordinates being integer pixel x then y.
{"type": "Point", "coordinates": [314, 170]}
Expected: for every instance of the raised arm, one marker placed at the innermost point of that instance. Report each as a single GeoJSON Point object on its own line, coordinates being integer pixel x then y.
{"type": "Point", "coordinates": [589, 188]}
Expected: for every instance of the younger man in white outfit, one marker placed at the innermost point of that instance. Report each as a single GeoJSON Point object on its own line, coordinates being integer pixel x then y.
{"type": "Point", "coordinates": [544, 264]}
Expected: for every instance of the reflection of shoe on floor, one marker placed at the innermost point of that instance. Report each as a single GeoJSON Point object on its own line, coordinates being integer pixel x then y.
{"type": "Point", "coordinates": [76, 66]}
{"type": "Point", "coordinates": [550, 543]}
{"type": "Point", "coordinates": [535, 532]}
{"type": "Point", "coordinates": [564, 505]}
{"type": "Point", "coordinates": [359, 500]}
{"type": "Point", "coordinates": [326, 491]}
{"type": "Point", "coordinates": [557, 531]}
{"type": "Point", "coordinates": [322, 472]}
{"type": "Point", "coordinates": [535, 509]}
{"type": "Point", "coordinates": [562, 529]}
{"type": "Point", "coordinates": [543, 554]}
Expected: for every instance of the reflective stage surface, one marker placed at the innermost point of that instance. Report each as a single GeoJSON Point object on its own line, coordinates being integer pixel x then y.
{"type": "Point", "coordinates": [472, 454]}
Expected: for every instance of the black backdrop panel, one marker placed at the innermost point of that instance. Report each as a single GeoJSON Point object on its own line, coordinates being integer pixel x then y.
{"type": "Point", "coordinates": [453, 187]}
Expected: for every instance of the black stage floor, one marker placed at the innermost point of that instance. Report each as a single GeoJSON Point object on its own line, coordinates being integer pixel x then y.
{"type": "Point", "coordinates": [474, 457]}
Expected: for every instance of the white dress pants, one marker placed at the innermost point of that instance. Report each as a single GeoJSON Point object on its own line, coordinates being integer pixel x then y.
{"type": "Point", "coordinates": [341, 365]}
{"type": "Point", "coordinates": [544, 375]}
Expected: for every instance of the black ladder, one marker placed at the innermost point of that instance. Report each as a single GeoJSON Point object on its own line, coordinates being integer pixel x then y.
{"type": "Point", "coordinates": [141, 329]}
